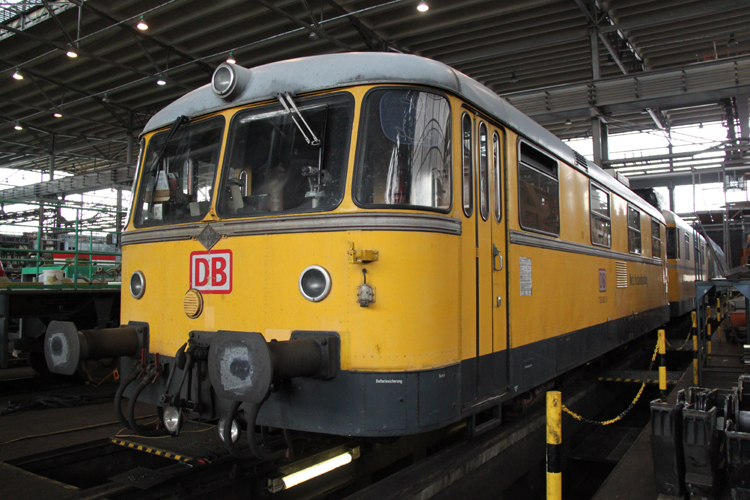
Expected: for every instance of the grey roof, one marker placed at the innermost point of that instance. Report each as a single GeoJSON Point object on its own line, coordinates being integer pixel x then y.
{"type": "Point", "coordinates": [314, 73]}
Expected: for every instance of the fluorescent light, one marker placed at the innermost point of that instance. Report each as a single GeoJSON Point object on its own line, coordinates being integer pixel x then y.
{"type": "Point", "coordinates": [230, 59]}
{"type": "Point", "coordinates": [17, 75]}
{"type": "Point", "coordinates": [160, 82]}
{"type": "Point", "coordinates": [18, 126]}
{"type": "Point", "coordinates": [72, 54]}
{"type": "Point", "coordinates": [313, 471]}
{"type": "Point", "coordinates": [58, 115]}
{"type": "Point", "coordinates": [423, 7]}
{"type": "Point", "coordinates": [142, 25]}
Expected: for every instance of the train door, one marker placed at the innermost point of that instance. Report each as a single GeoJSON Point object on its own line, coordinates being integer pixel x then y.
{"type": "Point", "coordinates": [499, 275]}
{"type": "Point", "coordinates": [484, 283]}
{"type": "Point", "coordinates": [484, 262]}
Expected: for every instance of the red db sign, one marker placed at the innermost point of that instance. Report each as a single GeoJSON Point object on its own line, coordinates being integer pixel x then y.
{"type": "Point", "coordinates": [211, 272]}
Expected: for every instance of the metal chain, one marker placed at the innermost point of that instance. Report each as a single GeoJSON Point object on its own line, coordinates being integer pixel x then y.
{"type": "Point", "coordinates": [625, 412]}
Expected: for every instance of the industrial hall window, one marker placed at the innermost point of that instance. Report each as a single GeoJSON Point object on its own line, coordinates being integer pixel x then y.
{"type": "Point", "coordinates": [601, 223]}
{"type": "Point", "coordinates": [655, 240]}
{"type": "Point", "coordinates": [673, 243]}
{"type": "Point", "coordinates": [539, 191]}
{"type": "Point", "coordinates": [634, 230]}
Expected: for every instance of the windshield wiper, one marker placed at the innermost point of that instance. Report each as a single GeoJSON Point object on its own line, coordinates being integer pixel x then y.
{"type": "Point", "coordinates": [175, 125]}
{"type": "Point", "coordinates": [283, 99]}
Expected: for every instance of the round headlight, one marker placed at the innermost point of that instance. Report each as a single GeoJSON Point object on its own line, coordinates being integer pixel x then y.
{"type": "Point", "coordinates": [235, 431]}
{"type": "Point", "coordinates": [172, 419]}
{"type": "Point", "coordinates": [224, 80]}
{"type": "Point", "coordinates": [137, 285]}
{"type": "Point", "coordinates": [314, 283]}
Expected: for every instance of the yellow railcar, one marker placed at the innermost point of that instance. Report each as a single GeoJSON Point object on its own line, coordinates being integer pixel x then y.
{"type": "Point", "coordinates": [687, 262]}
{"type": "Point", "coordinates": [368, 245]}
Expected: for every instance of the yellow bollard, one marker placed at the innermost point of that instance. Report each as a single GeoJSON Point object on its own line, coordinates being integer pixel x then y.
{"type": "Point", "coordinates": [718, 318]}
{"type": "Point", "coordinates": [695, 347]}
{"type": "Point", "coordinates": [554, 441]}
{"type": "Point", "coordinates": [663, 366]}
{"type": "Point", "coordinates": [708, 336]}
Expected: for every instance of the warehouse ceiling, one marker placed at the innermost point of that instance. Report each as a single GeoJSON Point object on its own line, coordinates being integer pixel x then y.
{"type": "Point", "coordinates": [656, 63]}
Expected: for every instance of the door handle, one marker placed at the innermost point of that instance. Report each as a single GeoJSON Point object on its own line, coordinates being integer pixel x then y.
{"type": "Point", "coordinates": [495, 255]}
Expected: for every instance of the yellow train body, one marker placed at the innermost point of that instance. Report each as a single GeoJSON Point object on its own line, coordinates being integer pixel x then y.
{"type": "Point", "coordinates": [470, 309]}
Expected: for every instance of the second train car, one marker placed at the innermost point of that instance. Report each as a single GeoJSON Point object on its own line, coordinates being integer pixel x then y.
{"type": "Point", "coordinates": [366, 244]}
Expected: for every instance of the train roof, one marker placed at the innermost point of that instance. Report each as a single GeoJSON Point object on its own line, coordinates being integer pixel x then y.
{"type": "Point", "coordinates": [314, 73]}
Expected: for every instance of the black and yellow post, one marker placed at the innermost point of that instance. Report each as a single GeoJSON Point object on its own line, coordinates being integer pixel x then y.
{"type": "Point", "coordinates": [718, 318]}
{"type": "Point", "coordinates": [695, 347]}
{"type": "Point", "coordinates": [554, 442]}
{"type": "Point", "coordinates": [709, 324]}
{"type": "Point", "coordinates": [663, 366]}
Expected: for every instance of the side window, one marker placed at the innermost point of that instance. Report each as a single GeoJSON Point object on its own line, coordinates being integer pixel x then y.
{"type": "Point", "coordinates": [539, 191]}
{"type": "Point", "coordinates": [484, 184]}
{"type": "Point", "coordinates": [601, 223]}
{"type": "Point", "coordinates": [498, 179]}
{"type": "Point", "coordinates": [687, 246]}
{"type": "Point", "coordinates": [655, 240]}
{"type": "Point", "coordinates": [673, 246]}
{"type": "Point", "coordinates": [466, 163]}
{"type": "Point", "coordinates": [634, 230]}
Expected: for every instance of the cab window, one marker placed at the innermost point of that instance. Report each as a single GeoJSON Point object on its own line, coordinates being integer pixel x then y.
{"type": "Point", "coordinates": [405, 151]}
{"type": "Point", "coordinates": [539, 191]}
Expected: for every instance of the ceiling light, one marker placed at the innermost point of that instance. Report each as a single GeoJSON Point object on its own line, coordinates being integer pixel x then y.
{"type": "Point", "coordinates": [160, 82]}
{"type": "Point", "coordinates": [230, 59]}
{"type": "Point", "coordinates": [17, 75]}
{"type": "Point", "coordinates": [72, 54]}
{"type": "Point", "coordinates": [513, 77]}
{"type": "Point", "coordinates": [18, 126]}
{"type": "Point", "coordinates": [568, 122]}
{"type": "Point", "coordinates": [142, 25]}
{"type": "Point", "coordinates": [313, 35]}
{"type": "Point", "coordinates": [732, 41]}
{"type": "Point", "coordinates": [105, 98]}
{"type": "Point", "coordinates": [423, 7]}
{"type": "Point", "coordinates": [57, 114]}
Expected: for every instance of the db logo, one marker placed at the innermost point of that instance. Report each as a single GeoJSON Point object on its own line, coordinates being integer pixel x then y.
{"type": "Point", "coordinates": [602, 280]}
{"type": "Point", "coordinates": [211, 272]}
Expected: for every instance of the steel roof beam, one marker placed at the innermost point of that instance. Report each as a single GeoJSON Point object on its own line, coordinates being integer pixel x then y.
{"type": "Point", "coordinates": [674, 14]}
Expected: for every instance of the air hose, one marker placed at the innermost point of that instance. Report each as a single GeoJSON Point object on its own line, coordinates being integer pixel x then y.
{"type": "Point", "coordinates": [118, 398]}
{"type": "Point", "coordinates": [140, 429]}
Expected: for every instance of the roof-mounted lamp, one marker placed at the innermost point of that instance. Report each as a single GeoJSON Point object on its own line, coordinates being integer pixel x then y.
{"type": "Point", "coordinates": [142, 25]}
{"type": "Point", "coordinates": [423, 7]}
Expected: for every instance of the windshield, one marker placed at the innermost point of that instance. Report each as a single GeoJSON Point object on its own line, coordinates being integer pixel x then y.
{"type": "Point", "coordinates": [272, 167]}
{"type": "Point", "coordinates": [179, 187]}
{"type": "Point", "coordinates": [406, 153]}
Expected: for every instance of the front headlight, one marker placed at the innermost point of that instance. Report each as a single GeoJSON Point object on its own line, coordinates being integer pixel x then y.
{"type": "Point", "coordinates": [314, 283]}
{"type": "Point", "coordinates": [172, 419]}
{"type": "Point", "coordinates": [137, 285]}
{"type": "Point", "coordinates": [224, 80]}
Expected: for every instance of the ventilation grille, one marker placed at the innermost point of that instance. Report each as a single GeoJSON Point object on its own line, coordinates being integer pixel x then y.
{"type": "Point", "coordinates": [581, 160]}
{"type": "Point", "coordinates": [622, 274]}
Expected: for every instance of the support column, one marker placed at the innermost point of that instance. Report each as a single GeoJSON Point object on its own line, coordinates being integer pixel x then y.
{"type": "Point", "coordinates": [742, 113]}
{"type": "Point", "coordinates": [594, 39]}
{"type": "Point", "coordinates": [599, 135]}
{"type": "Point", "coordinates": [671, 188]}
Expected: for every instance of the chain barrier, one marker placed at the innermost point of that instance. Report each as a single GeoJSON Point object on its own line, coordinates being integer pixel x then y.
{"type": "Point", "coordinates": [624, 412]}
